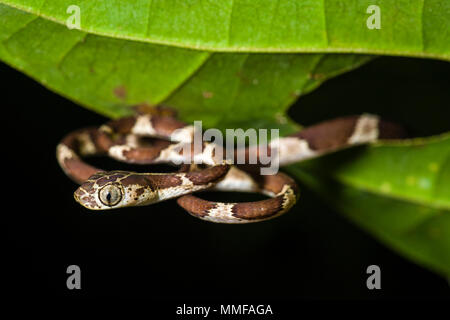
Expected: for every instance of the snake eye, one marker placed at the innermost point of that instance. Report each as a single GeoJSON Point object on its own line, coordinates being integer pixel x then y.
{"type": "Point", "coordinates": [110, 195]}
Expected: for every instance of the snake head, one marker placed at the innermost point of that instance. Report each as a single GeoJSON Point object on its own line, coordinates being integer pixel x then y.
{"type": "Point", "coordinates": [115, 189]}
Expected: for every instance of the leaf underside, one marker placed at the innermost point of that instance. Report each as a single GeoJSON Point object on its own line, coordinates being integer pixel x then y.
{"type": "Point", "coordinates": [241, 63]}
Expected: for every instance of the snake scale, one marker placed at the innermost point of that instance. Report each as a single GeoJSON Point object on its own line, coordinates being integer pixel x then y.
{"type": "Point", "coordinates": [121, 140]}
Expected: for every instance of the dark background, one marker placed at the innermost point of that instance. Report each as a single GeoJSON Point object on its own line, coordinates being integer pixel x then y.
{"type": "Point", "coordinates": [163, 253]}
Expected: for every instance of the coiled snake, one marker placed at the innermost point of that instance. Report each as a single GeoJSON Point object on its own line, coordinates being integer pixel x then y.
{"type": "Point", "coordinates": [120, 139]}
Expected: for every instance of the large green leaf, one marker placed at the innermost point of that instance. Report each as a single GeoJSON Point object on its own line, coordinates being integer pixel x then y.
{"type": "Point", "coordinates": [109, 75]}
{"type": "Point", "coordinates": [399, 191]}
{"type": "Point", "coordinates": [408, 27]}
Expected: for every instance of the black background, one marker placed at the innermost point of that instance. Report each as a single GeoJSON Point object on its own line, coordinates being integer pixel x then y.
{"type": "Point", "coordinates": [161, 252]}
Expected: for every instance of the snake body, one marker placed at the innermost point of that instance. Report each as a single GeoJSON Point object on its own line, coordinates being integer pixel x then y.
{"type": "Point", "coordinates": [282, 190]}
{"type": "Point", "coordinates": [310, 142]}
{"type": "Point", "coordinates": [119, 139]}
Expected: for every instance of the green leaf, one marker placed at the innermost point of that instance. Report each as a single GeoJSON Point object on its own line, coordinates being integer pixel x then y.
{"type": "Point", "coordinates": [408, 27]}
{"type": "Point", "coordinates": [141, 52]}
{"type": "Point", "coordinates": [110, 75]}
{"type": "Point", "coordinates": [399, 191]}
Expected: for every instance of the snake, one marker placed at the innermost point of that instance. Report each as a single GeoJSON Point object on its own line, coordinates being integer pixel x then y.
{"type": "Point", "coordinates": [121, 139]}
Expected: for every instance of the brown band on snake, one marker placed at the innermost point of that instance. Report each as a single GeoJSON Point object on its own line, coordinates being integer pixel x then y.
{"type": "Point", "coordinates": [208, 174]}
{"type": "Point", "coordinates": [144, 155]}
{"type": "Point", "coordinates": [334, 134]}
{"type": "Point", "coordinates": [330, 134]}
{"type": "Point", "coordinates": [195, 206]}
{"type": "Point", "coordinates": [390, 130]}
{"type": "Point", "coordinates": [83, 142]}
